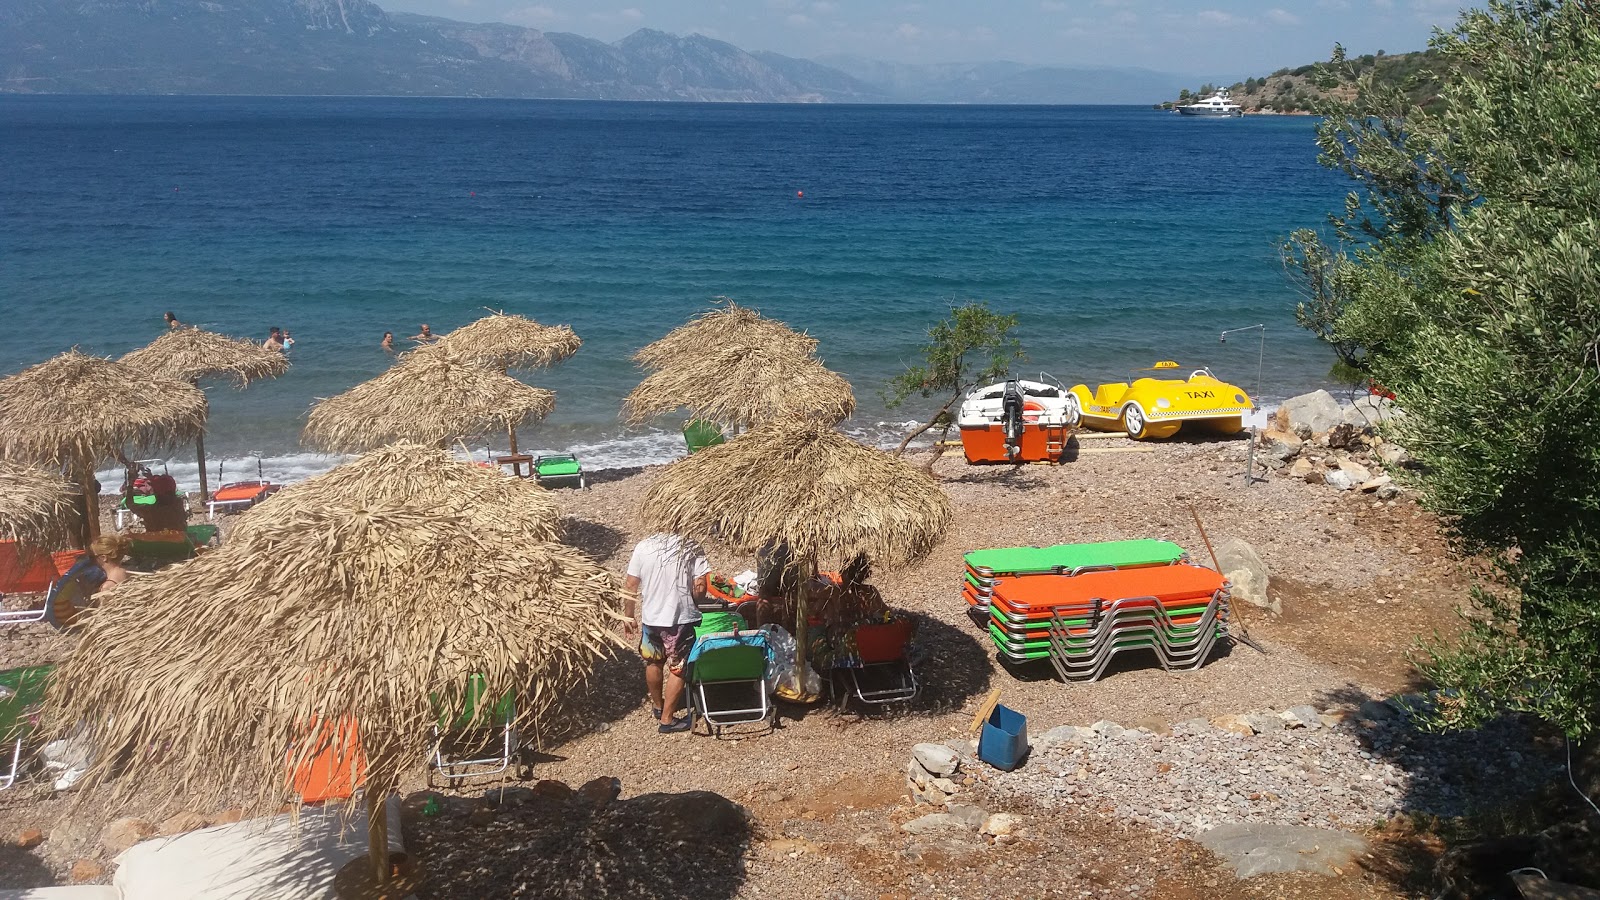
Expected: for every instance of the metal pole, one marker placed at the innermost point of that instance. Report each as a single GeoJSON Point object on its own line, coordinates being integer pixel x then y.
{"type": "Point", "coordinates": [1255, 396]}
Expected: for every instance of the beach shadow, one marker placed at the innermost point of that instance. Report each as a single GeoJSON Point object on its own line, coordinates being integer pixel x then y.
{"type": "Point", "coordinates": [606, 476]}
{"type": "Point", "coordinates": [1495, 798]}
{"type": "Point", "coordinates": [553, 842]}
{"type": "Point", "coordinates": [952, 668]}
{"type": "Point", "coordinates": [1012, 477]}
{"type": "Point", "coordinates": [20, 869]}
{"type": "Point", "coordinates": [598, 541]}
{"type": "Point", "coordinates": [612, 692]}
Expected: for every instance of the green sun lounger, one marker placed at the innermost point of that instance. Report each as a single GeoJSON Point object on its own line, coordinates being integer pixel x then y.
{"type": "Point", "coordinates": [1063, 559]}
{"type": "Point", "coordinates": [21, 690]}
{"type": "Point", "coordinates": [699, 434]}
{"type": "Point", "coordinates": [558, 470]}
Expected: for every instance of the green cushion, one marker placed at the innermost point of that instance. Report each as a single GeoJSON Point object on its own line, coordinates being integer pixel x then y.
{"type": "Point", "coordinates": [477, 689]}
{"type": "Point", "coordinates": [202, 534]}
{"type": "Point", "coordinates": [717, 623]}
{"type": "Point", "coordinates": [552, 467]}
{"type": "Point", "coordinates": [1066, 557]}
{"type": "Point", "coordinates": [19, 690]}
{"type": "Point", "coordinates": [744, 662]}
{"type": "Point", "coordinates": [700, 434]}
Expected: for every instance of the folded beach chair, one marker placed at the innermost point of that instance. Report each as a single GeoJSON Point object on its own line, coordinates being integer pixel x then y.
{"type": "Point", "coordinates": [336, 768]}
{"type": "Point", "coordinates": [21, 692]}
{"type": "Point", "coordinates": [485, 733]}
{"type": "Point", "coordinates": [558, 470]}
{"type": "Point", "coordinates": [885, 674]}
{"type": "Point", "coordinates": [24, 570]}
{"type": "Point", "coordinates": [66, 598]}
{"type": "Point", "coordinates": [699, 434]}
{"type": "Point", "coordinates": [727, 680]}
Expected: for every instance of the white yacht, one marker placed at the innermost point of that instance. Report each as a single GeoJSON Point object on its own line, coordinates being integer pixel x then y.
{"type": "Point", "coordinates": [1218, 104]}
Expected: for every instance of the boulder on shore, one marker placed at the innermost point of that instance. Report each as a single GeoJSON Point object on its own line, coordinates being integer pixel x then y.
{"type": "Point", "coordinates": [1312, 413]}
{"type": "Point", "coordinates": [1242, 566]}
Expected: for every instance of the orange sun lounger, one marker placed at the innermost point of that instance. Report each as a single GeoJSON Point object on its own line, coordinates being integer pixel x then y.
{"type": "Point", "coordinates": [1035, 597]}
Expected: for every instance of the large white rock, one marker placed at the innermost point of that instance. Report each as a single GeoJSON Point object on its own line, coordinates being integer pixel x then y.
{"type": "Point", "coordinates": [1242, 566]}
{"type": "Point", "coordinates": [1339, 479]}
{"type": "Point", "coordinates": [936, 758]}
{"type": "Point", "coordinates": [1312, 413]}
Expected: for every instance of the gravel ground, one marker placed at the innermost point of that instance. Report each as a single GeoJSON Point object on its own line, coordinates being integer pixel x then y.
{"type": "Point", "coordinates": [1359, 580]}
{"type": "Point", "coordinates": [1346, 776]}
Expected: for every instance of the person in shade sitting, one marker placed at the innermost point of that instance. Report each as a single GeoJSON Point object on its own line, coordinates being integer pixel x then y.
{"type": "Point", "coordinates": [109, 552]}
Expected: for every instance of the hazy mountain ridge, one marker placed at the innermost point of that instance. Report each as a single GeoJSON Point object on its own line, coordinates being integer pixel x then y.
{"type": "Point", "coordinates": [355, 47]}
{"type": "Point", "coordinates": [1005, 82]}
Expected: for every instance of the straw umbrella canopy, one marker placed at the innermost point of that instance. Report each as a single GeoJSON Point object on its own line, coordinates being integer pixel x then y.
{"type": "Point", "coordinates": [728, 325]}
{"type": "Point", "coordinates": [193, 354]}
{"type": "Point", "coordinates": [423, 477]}
{"type": "Point", "coordinates": [743, 387]}
{"type": "Point", "coordinates": [426, 398]}
{"type": "Point", "coordinates": [503, 342]}
{"type": "Point", "coordinates": [346, 630]}
{"type": "Point", "coordinates": [805, 485]}
{"type": "Point", "coordinates": [35, 505]}
{"type": "Point", "coordinates": [74, 410]}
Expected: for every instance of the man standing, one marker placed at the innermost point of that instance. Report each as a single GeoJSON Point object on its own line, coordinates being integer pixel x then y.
{"type": "Point", "coordinates": [668, 573]}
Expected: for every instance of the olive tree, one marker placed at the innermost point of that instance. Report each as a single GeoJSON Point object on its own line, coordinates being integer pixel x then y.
{"type": "Point", "coordinates": [973, 344]}
{"type": "Point", "coordinates": [1464, 274]}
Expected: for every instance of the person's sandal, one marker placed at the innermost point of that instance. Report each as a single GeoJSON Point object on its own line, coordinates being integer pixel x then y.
{"type": "Point", "coordinates": [655, 713]}
{"type": "Point", "coordinates": [677, 727]}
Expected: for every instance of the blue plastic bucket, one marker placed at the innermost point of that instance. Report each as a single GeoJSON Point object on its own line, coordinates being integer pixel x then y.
{"type": "Point", "coordinates": [1004, 740]}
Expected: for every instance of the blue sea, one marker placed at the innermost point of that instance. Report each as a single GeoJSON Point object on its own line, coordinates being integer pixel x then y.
{"type": "Point", "coordinates": [1118, 236]}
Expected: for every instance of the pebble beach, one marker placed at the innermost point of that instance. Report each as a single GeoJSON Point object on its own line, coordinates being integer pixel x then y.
{"type": "Point", "coordinates": [1154, 756]}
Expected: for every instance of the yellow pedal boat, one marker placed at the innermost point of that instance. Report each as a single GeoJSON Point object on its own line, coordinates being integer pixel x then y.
{"type": "Point", "coordinates": [1157, 403]}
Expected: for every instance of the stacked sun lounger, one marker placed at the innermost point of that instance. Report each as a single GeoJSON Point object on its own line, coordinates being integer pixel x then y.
{"type": "Point", "coordinates": [1079, 622]}
{"type": "Point", "coordinates": [988, 568]}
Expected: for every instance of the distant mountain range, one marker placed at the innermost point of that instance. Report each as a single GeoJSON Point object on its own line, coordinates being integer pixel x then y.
{"type": "Point", "coordinates": [354, 47]}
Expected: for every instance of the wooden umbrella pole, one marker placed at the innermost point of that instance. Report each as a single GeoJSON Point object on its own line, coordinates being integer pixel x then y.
{"type": "Point", "coordinates": [91, 502]}
{"type": "Point", "coordinates": [378, 834]}
{"type": "Point", "coordinates": [200, 454]}
{"type": "Point", "coordinates": [801, 632]}
{"type": "Point", "coordinates": [512, 430]}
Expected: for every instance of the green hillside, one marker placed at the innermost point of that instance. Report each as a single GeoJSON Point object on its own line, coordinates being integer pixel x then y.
{"type": "Point", "coordinates": [1300, 91]}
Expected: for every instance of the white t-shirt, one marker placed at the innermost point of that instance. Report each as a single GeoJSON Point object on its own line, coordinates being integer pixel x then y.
{"type": "Point", "coordinates": [667, 566]}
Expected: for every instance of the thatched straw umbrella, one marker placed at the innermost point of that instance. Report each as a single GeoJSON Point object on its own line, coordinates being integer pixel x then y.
{"type": "Point", "coordinates": [267, 649]}
{"type": "Point", "coordinates": [805, 485]}
{"type": "Point", "coordinates": [516, 508]}
{"type": "Point", "coordinates": [35, 505]}
{"type": "Point", "coordinates": [729, 325]}
{"type": "Point", "coordinates": [74, 410]}
{"type": "Point", "coordinates": [743, 387]}
{"type": "Point", "coordinates": [193, 354]}
{"type": "Point", "coordinates": [426, 398]}
{"type": "Point", "coordinates": [506, 342]}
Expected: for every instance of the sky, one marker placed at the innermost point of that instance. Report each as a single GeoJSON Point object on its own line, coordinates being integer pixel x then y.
{"type": "Point", "coordinates": [1216, 40]}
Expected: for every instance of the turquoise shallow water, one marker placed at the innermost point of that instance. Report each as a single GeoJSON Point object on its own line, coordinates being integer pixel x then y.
{"type": "Point", "coordinates": [1118, 236]}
